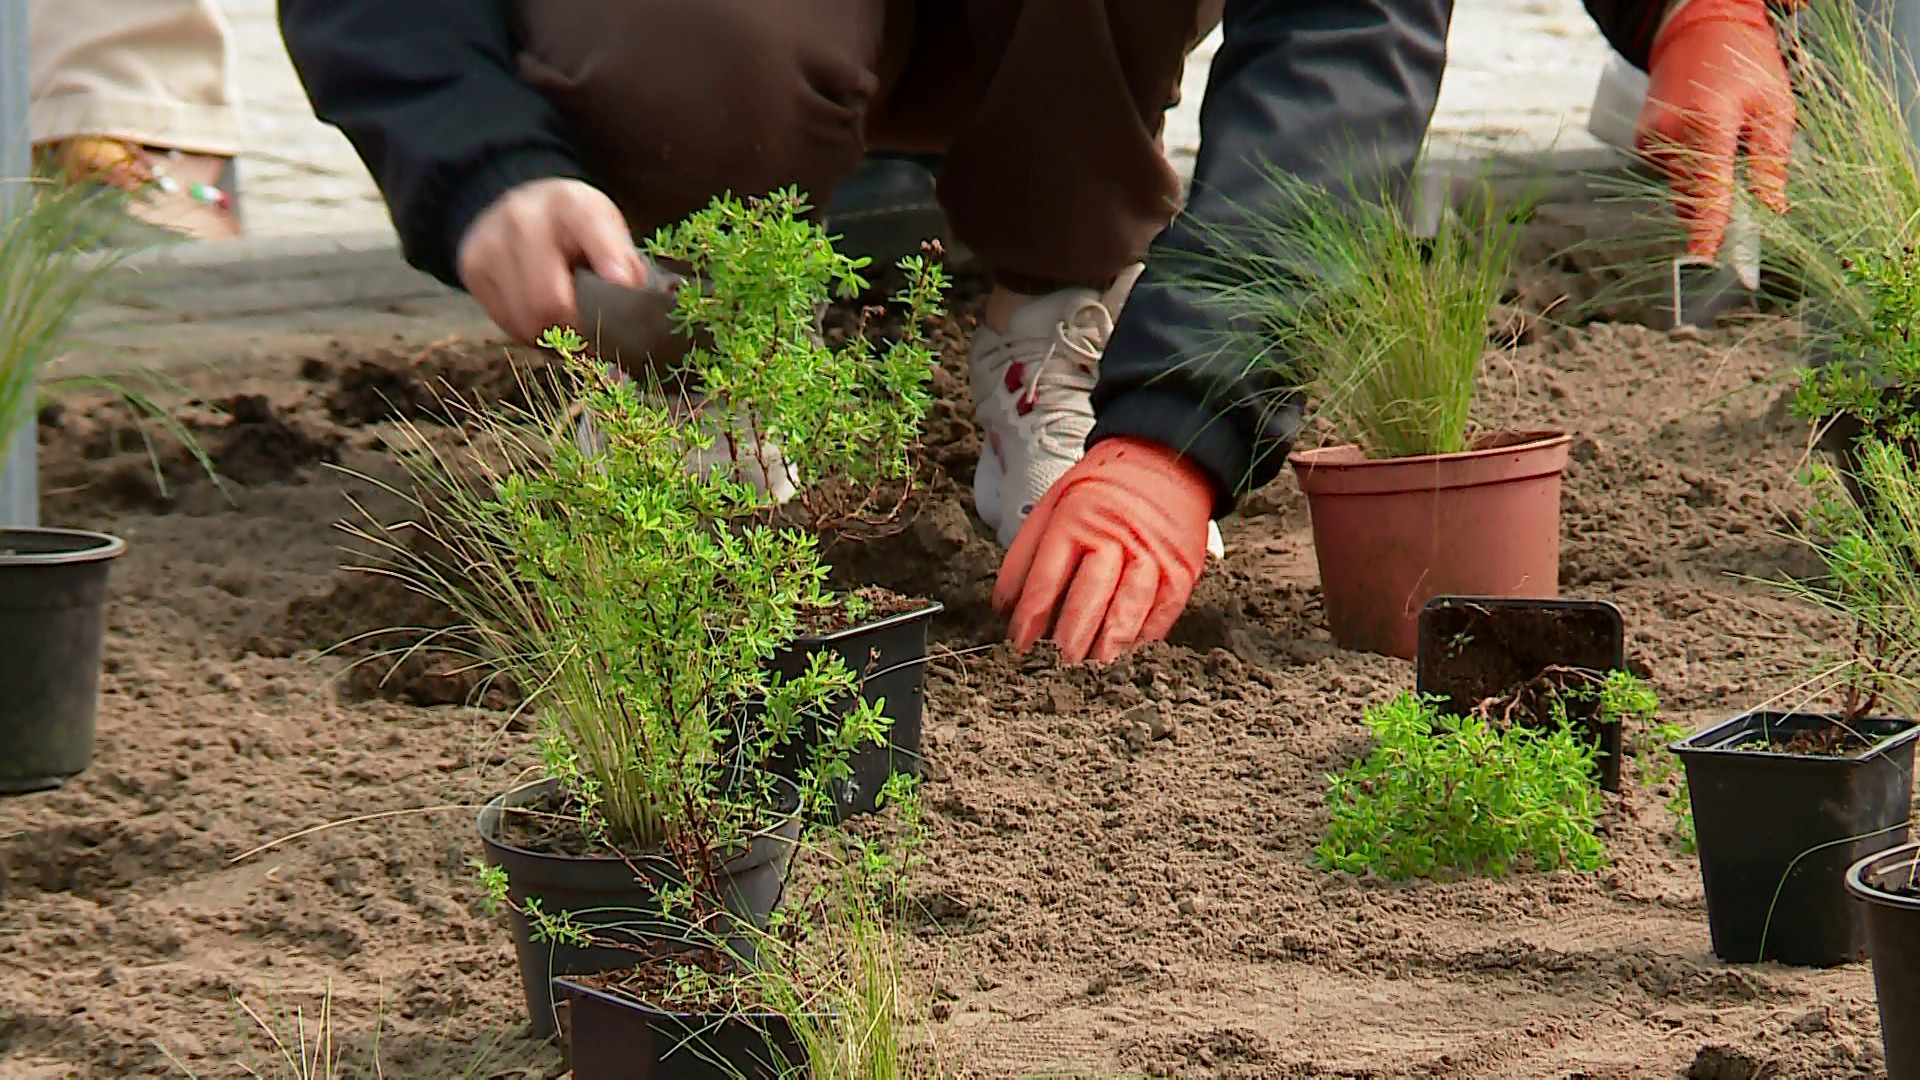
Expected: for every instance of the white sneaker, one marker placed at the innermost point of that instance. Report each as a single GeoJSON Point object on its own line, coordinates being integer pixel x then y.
{"type": "Point", "coordinates": [1032, 392]}
{"type": "Point", "coordinates": [764, 467]}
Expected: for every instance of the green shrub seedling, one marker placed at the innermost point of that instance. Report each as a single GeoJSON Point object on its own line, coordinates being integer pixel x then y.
{"type": "Point", "coordinates": [636, 597]}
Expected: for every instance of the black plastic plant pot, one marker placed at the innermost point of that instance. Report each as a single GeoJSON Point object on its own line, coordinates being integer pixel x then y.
{"type": "Point", "coordinates": [1474, 648]}
{"type": "Point", "coordinates": [1888, 883]}
{"type": "Point", "coordinates": [53, 618]}
{"type": "Point", "coordinates": [889, 657]}
{"type": "Point", "coordinates": [1778, 830]}
{"type": "Point", "coordinates": [613, 1037]}
{"type": "Point", "coordinates": [616, 900]}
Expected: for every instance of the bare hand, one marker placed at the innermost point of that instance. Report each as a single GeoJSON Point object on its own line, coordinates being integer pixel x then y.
{"type": "Point", "coordinates": [518, 256]}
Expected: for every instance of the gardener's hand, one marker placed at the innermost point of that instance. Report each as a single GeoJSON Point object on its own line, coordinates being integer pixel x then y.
{"type": "Point", "coordinates": [518, 256]}
{"type": "Point", "coordinates": [1717, 85]}
{"type": "Point", "coordinates": [1110, 555]}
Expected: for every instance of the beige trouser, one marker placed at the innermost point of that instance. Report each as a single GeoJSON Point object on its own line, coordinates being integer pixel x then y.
{"type": "Point", "coordinates": [158, 72]}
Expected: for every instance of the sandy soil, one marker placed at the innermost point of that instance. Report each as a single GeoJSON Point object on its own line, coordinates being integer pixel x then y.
{"type": "Point", "coordinates": [1092, 902]}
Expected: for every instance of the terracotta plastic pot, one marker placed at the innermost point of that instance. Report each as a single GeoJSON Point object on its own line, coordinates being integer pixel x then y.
{"type": "Point", "coordinates": [1392, 533]}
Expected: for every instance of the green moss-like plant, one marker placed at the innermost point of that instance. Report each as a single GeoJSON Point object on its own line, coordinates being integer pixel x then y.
{"type": "Point", "coordinates": [1442, 795]}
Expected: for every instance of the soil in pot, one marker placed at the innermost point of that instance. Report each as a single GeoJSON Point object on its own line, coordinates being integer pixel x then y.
{"type": "Point", "coordinates": [1390, 534]}
{"type": "Point", "coordinates": [616, 899]}
{"type": "Point", "coordinates": [1888, 884]}
{"type": "Point", "coordinates": [53, 597]}
{"type": "Point", "coordinates": [887, 652]}
{"type": "Point", "coordinates": [1511, 660]}
{"type": "Point", "coordinates": [1779, 817]}
{"type": "Point", "coordinates": [613, 1033]}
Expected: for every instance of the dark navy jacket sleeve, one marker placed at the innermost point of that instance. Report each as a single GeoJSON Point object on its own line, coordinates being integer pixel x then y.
{"type": "Point", "coordinates": [1296, 85]}
{"type": "Point", "coordinates": [427, 91]}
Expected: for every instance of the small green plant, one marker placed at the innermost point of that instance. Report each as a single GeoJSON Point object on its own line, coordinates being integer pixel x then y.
{"type": "Point", "coordinates": [1456, 794]}
{"type": "Point", "coordinates": [1346, 302]}
{"type": "Point", "coordinates": [1870, 550]}
{"type": "Point", "coordinates": [842, 985]}
{"type": "Point", "coordinates": [1646, 735]}
{"type": "Point", "coordinates": [1882, 368]}
{"type": "Point", "coordinates": [845, 418]}
{"type": "Point", "coordinates": [637, 598]}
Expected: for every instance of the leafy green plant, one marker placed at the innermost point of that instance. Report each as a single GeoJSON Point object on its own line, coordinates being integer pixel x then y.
{"type": "Point", "coordinates": [845, 417]}
{"type": "Point", "coordinates": [1456, 794]}
{"type": "Point", "coordinates": [635, 598]}
{"type": "Point", "coordinates": [1855, 182]}
{"type": "Point", "coordinates": [1382, 328]}
{"type": "Point", "coordinates": [1870, 550]}
{"type": "Point", "coordinates": [1646, 735]}
{"type": "Point", "coordinates": [1881, 367]}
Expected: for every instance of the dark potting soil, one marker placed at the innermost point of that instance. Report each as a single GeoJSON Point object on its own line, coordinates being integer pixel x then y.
{"type": "Point", "coordinates": [1518, 681]}
{"type": "Point", "coordinates": [1833, 739]}
{"type": "Point", "coordinates": [654, 982]}
{"type": "Point", "coordinates": [1531, 703]}
{"type": "Point", "coordinates": [550, 826]}
{"type": "Point", "coordinates": [880, 604]}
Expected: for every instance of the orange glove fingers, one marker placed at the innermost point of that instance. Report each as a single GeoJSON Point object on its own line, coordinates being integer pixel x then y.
{"type": "Point", "coordinates": [1016, 566]}
{"type": "Point", "coordinates": [1089, 596]}
{"type": "Point", "coordinates": [1110, 554]}
{"type": "Point", "coordinates": [1129, 610]}
{"type": "Point", "coordinates": [1769, 151]}
{"type": "Point", "coordinates": [1716, 81]}
{"type": "Point", "coordinates": [1052, 570]}
{"type": "Point", "coordinates": [1168, 605]}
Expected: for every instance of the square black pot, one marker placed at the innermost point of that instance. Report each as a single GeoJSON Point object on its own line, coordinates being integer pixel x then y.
{"type": "Point", "coordinates": [1778, 831]}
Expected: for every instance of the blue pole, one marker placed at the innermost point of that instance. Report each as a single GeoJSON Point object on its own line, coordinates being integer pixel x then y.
{"type": "Point", "coordinates": [20, 480]}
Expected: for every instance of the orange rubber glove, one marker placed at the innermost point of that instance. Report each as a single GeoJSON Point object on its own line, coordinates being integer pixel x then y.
{"type": "Point", "coordinates": [1716, 84]}
{"type": "Point", "coordinates": [1109, 557]}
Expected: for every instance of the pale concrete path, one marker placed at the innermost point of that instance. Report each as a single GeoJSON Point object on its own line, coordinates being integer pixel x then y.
{"type": "Point", "coordinates": [1521, 74]}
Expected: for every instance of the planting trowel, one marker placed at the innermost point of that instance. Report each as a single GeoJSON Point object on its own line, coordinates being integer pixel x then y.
{"type": "Point", "coordinates": [1703, 288]}
{"type": "Point", "coordinates": [633, 327]}
{"type": "Point", "coordinates": [1700, 289]}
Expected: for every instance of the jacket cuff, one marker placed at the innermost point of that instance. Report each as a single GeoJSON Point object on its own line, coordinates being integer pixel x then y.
{"type": "Point", "coordinates": [437, 254]}
{"type": "Point", "coordinates": [1198, 434]}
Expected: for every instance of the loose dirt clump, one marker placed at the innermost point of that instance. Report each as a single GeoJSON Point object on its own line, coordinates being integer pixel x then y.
{"type": "Point", "coordinates": [1119, 875]}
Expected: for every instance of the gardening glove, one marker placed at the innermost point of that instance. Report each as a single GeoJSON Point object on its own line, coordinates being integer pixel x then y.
{"type": "Point", "coordinates": [1716, 84]}
{"type": "Point", "coordinates": [1109, 556]}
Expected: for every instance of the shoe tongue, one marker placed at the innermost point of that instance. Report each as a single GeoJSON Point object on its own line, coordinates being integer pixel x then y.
{"type": "Point", "coordinates": [1039, 317]}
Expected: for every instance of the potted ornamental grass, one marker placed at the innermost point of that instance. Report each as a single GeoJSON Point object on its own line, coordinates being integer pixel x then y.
{"type": "Point", "coordinates": [642, 600]}
{"type": "Point", "coordinates": [1384, 331]}
{"type": "Point", "coordinates": [53, 582]}
{"type": "Point", "coordinates": [1835, 783]}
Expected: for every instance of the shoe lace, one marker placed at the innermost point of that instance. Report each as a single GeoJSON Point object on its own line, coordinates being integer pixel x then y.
{"type": "Point", "coordinates": [1065, 376]}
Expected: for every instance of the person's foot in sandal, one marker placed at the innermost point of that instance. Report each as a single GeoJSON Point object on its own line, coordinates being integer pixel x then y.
{"type": "Point", "coordinates": [169, 194]}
